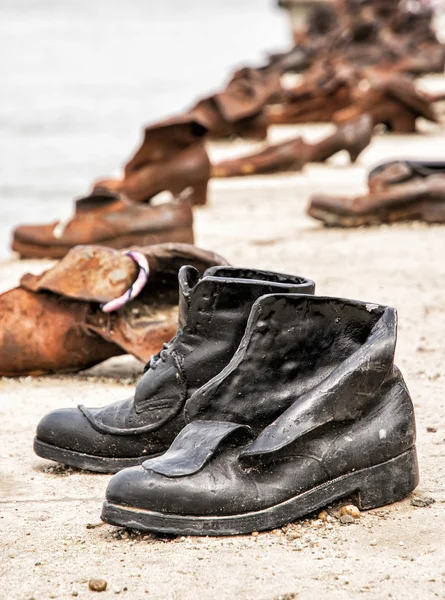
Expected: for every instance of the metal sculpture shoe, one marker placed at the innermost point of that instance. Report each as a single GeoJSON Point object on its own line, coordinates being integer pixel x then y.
{"type": "Point", "coordinates": [172, 158]}
{"type": "Point", "coordinates": [213, 312]}
{"type": "Point", "coordinates": [93, 304]}
{"type": "Point", "coordinates": [398, 191]}
{"type": "Point", "coordinates": [309, 410]}
{"type": "Point", "coordinates": [293, 154]}
{"type": "Point", "coordinates": [109, 219]}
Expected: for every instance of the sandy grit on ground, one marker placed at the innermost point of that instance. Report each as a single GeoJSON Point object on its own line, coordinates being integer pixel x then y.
{"type": "Point", "coordinates": [52, 541]}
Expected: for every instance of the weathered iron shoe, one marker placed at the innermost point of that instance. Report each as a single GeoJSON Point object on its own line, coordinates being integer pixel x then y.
{"type": "Point", "coordinates": [172, 158]}
{"type": "Point", "coordinates": [212, 321]}
{"type": "Point", "coordinates": [391, 100]}
{"type": "Point", "coordinates": [93, 304]}
{"type": "Point", "coordinates": [290, 155]}
{"type": "Point", "coordinates": [324, 90]}
{"type": "Point", "coordinates": [109, 219]}
{"type": "Point", "coordinates": [239, 109]}
{"type": "Point", "coordinates": [309, 410]}
{"type": "Point", "coordinates": [398, 191]}
{"type": "Point", "coordinates": [293, 154]}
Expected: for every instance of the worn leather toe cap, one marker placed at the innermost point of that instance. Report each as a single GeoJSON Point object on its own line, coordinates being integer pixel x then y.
{"type": "Point", "coordinates": [138, 488]}
{"type": "Point", "coordinates": [129, 487]}
{"type": "Point", "coordinates": [199, 494]}
{"type": "Point", "coordinates": [331, 204]}
{"type": "Point", "coordinates": [69, 429]}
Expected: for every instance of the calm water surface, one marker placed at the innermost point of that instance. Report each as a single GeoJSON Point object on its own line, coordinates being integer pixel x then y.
{"type": "Point", "coordinates": [80, 77]}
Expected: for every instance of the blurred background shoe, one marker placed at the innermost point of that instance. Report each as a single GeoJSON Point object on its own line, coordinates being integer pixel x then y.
{"type": "Point", "coordinates": [93, 304]}
{"type": "Point", "coordinates": [398, 191]}
{"type": "Point", "coordinates": [109, 219]}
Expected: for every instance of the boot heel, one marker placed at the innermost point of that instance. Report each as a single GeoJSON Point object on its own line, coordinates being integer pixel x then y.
{"type": "Point", "coordinates": [199, 195]}
{"type": "Point", "coordinates": [390, 481]}
{"type": "Point", "coordinates": [354, 154]}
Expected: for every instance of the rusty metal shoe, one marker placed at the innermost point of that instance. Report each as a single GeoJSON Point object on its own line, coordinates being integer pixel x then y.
{"type": "Point", "coordinates": [293, 154]}
{"type": "Point", "coordinates": [353, 137]}
{"type": "Point", "coordinates": [109, 219]}
{"type": "Point", "coordinates": [420, 50]}
{"type": "Point", "coordinates": [93, 304]}
{"type": "Point", "coordinates": [391, 100]}
{"type": "Point", "coordinates": [172, 158]}
{"type": "Point", "coordinates": [325, 89]}
{"type": "Point", "coordinates": [290, 155]}
{"type": "Point", "coordinates": [398, 191]}
{"type": "Point", "coordinates": [239, 109]}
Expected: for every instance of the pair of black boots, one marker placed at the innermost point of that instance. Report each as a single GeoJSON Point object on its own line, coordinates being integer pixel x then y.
{"type": "Point", "coordinates": [267, 405]}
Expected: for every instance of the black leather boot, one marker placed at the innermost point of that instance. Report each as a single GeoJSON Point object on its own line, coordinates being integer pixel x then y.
{"type": "Point", "coordinates": [310, 409]}
{"type": "Point", "coordinates": [213, 313]}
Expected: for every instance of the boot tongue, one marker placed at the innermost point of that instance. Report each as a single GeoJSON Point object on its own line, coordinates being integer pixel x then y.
{"type": "Point", "coordinates": [188, 277]}
{"type": "Point", "coordinates": [156, 386]}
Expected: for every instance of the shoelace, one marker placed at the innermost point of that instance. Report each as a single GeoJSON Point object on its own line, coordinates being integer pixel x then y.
{"type": "Point", "coordinates": [160, 356]}
{"type": "Point", "coordinates": [178, 360]}
{"type": "Point", "coordinates": [137, 286]}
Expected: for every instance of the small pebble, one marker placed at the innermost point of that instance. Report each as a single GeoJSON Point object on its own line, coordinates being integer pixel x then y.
{"type": "Point", "coordinates": [97, 585]}
{"type": "Point", "coordinates": [255, 533]}
{"type": "Point", "coordinates": [347, 519]}
{"type": "Point", "coordinates": [373, 543]}
{"type": "Point", "coordinates": [74, 593]}
{"type": "Point", "coordinates": [323, 515]}
{"type": "Point", "coordinates": [421, 502]}
{"type": "Point", "coordinates": [352, 510]}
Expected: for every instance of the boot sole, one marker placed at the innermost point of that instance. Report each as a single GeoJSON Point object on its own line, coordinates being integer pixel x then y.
{"type": "Point", "coordinates": [426, 212]}
{"type": "Point", "coordinates": [375, 486]}
{"type": "Point", "coordinates": [86, 462]}
{"type": "Point", "coordinates": [183, 235]}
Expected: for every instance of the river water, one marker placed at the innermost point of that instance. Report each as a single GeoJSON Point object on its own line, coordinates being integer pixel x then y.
{"type": "Point", "coordinates": [79, 78]}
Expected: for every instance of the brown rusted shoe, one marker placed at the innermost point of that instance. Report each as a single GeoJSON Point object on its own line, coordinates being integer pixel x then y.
{"type": "Point", "coordinates": [239, 109]}
{"type": "Point", "coordinates": [108, 219]}
{"type": "Point", "coordinates": [290, 155]}
{"type": "Point", "coordinates": [220, 127]}
{"type": "Point", "coordinates": [412, 32]}
{"type": "Point", "coordinates": [172, 158]}
{"type": "Point", "coordinates": [93, 304]}
{"type": "Point", "coordinates": [326, 88]}
{"type": "Point", "coordinates": [399, 34]}
{"type": "Point", "coordinates": [353, 136]}
{"type": "Point", "coordinates": [398, 191]}
{"type": "Point", "coordinates": [293, 154]}
{"type": "Point", "coordinates": [391, 100]}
